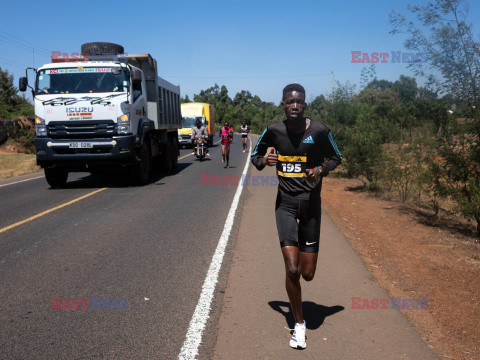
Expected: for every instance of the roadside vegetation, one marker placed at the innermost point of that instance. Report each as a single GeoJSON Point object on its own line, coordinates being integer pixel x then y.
{"type": "Point", "coordinates": [17, 164]}
{"type": "Point", "coordinates": [418, 143]}
{"type": "Point", "coordinates": [16, 130]}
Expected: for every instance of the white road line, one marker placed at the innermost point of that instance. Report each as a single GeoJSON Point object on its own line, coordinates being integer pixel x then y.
{"type": "Point", "coordinates": [202, 311]}
{"type": "Point", "coordinates": [20, 181]}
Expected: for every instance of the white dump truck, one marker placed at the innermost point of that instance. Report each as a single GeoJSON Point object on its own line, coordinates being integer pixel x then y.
{"type": "Point", "coordinates": [105, 108]}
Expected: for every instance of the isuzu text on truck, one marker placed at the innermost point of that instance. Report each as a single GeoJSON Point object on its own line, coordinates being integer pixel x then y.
{"type": "Point", "coordinates": [109, 109]}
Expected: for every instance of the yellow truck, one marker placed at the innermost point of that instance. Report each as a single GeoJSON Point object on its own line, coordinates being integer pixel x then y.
{"type": "Point", "coordinates": [190, 113]}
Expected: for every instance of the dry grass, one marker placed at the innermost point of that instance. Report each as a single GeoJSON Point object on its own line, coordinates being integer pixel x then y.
{"type": "Point", "coordinates": [17, 164]}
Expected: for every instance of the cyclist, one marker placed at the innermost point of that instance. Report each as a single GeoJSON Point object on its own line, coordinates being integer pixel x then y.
{"type": "Point", "coordinates": [199, 132]}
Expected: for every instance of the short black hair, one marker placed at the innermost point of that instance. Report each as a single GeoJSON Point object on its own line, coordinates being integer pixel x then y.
{"type": "Point", "coordinates": [293, 87]}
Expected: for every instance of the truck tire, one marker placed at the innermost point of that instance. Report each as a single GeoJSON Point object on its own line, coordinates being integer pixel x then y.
{"type": "Point", "coordinates": [102, 48]}
{"type": "Point", "coordinates": [56, 178]}
{"type": "Point", "coordinates": [143, 169]}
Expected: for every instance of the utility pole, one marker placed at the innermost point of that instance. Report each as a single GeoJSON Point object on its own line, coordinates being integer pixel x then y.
{"type": "Point", "coordinates": [332, 83]}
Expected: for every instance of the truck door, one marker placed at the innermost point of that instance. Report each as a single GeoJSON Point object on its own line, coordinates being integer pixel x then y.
{"type": "Point", "coordinates": [139, 107]}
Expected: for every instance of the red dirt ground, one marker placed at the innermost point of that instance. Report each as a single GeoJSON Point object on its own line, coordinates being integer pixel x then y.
{"type": "Point", "coordinates": [413, 257]}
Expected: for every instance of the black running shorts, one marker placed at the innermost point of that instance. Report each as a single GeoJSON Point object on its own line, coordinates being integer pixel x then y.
{"type": "Point", "coordinates": [304, 207]}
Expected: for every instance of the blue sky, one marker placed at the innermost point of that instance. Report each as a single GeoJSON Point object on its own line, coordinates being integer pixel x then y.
{"type": "Point", "coordinates": [258, 46]}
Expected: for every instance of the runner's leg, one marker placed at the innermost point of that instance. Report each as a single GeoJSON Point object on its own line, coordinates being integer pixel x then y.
{"type": "Point", "coordinates": [310, 217]}
{"type": "Point", "coordinates": [223, 153]}
{"type": "Point", "coordinates": [286, 212]}
{"type": "Point", "coordinates": [292, 281]}
{"type": "Point", "coordinates": [307, 265]}
{"type": "Point", "coordinates": [227, 152]}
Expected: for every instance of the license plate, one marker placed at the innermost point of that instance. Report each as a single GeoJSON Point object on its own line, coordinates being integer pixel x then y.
{"type": "Point", "coordinates": [80, 145]}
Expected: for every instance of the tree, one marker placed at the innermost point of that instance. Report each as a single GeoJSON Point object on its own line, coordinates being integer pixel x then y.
{"type": "Point", "coordinates": [368, 75]}
{"type": "Point", "coordinates": [448, 42]}
{"type": "Point", "coordinates": [379, 84]}
{"type": "Point", "coordinates": [12, 105]}
{"type": "Point", "coordinates": [445, 36]}
{"type": "Point", "coordinates": [406, 87]}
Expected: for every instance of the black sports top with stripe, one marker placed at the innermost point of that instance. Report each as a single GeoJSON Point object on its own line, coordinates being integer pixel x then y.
{"type": "Point", "coordinates": [297, 152]}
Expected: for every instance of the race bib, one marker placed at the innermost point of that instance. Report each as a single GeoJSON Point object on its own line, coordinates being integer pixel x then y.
{"type": "Point", "coordinates": [291, 166]}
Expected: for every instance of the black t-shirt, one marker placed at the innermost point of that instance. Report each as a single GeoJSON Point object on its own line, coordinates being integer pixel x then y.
{"type": "Point", "coordinates": [297, 152]}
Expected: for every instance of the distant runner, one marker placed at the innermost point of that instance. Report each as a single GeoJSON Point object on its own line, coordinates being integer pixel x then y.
{"type": "Point", "coordinates": [244, 130]}
{"type": "Point", "coordinates": [226, 134]}
{"type": "Point", "coordinates": [302, 146]}
{"type": "Point", "coordinates": [230, 129]}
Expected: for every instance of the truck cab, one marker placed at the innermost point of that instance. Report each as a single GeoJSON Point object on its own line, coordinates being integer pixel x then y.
{"type": "Point", "coordinates": [110, 110]}
{"type": "Point", "coordinates": [192, 112]}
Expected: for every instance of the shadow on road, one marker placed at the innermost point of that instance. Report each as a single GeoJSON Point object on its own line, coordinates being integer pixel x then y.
{"type": "Point", "coordinates": [117, 178]}
{"type": "Point", "coordinates": [313, 313]}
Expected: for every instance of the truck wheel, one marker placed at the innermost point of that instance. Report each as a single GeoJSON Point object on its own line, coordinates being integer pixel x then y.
{"type": "Point", "coordinates": [174, 153]}
{"type": "Point", "coordinates": [143, 168]}
{"type": "Point", "coordinates": [102, 48]}
{"type": "Point", "coordinates": [56, 178]}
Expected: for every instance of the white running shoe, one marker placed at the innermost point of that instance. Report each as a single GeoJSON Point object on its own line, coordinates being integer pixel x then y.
{"type": "Point", "coordinates": [298, 338]}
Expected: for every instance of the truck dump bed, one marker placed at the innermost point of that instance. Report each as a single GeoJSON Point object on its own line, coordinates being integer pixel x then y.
{"type": "Point", "coordinates": [163, 98]}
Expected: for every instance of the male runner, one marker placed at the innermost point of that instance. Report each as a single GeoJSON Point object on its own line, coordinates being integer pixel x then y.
{"type": "Point", "coordinates": [226, 135]}
{"type": "Point", "coordinates": [302, 146]}
{"type": "Point", "coordinates": [244, 130]}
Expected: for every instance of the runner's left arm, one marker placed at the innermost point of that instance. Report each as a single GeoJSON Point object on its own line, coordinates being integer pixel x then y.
{"type": "Point", "coordinates": [331, 152]}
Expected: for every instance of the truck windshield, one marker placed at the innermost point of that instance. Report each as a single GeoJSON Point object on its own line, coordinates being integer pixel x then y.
{"type": "Point", "coordinates": [190, 121]}
{"type": "Point", "coordinates": [80, 80]}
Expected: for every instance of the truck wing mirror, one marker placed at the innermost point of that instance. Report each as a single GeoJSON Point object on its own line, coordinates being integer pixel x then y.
{"type": "Point", "coordinates": [116, 70]}
{"type": "Point", "coordinates": [22, 84]}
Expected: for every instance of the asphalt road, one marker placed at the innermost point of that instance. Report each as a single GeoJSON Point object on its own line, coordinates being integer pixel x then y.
{"type": "Point", "coordinates": [150, 246]}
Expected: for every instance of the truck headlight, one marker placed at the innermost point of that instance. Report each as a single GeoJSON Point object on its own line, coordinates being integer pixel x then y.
{"type": "Point", "coordinates": [123, 124]}
{"type": "Point", "coordinates": [40, 127]}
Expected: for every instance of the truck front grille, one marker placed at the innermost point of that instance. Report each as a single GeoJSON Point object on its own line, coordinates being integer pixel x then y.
{"type": "Point", "coordinates": [81, 129]}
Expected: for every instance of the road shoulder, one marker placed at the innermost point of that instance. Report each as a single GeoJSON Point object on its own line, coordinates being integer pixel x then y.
{"type": "Point", "coordinates": [412, 254]}
{"type": "Point", "coordinates": [256, 311]}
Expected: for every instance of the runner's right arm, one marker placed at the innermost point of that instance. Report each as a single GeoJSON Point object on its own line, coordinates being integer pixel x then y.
{"type": "Point", "coordinates": [263, 143]}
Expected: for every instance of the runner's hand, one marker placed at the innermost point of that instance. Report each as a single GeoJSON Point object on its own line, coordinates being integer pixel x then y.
{"type": "Point", "coordinates": [312, 174]}
{"type": "Point", "coordinates": [271, 159]}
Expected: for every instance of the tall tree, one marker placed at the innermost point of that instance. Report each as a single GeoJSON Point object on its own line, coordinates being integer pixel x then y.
{"type": "Point", "coordinates": [443, 33]}
{"type": "Point", "coordinates": [12, 105]}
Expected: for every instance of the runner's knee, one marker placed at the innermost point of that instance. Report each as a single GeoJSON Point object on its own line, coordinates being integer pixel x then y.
{"type": "Point", "coordinates": [308, 276]}
{"type": "Point", "coordinates": [292, 272]}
